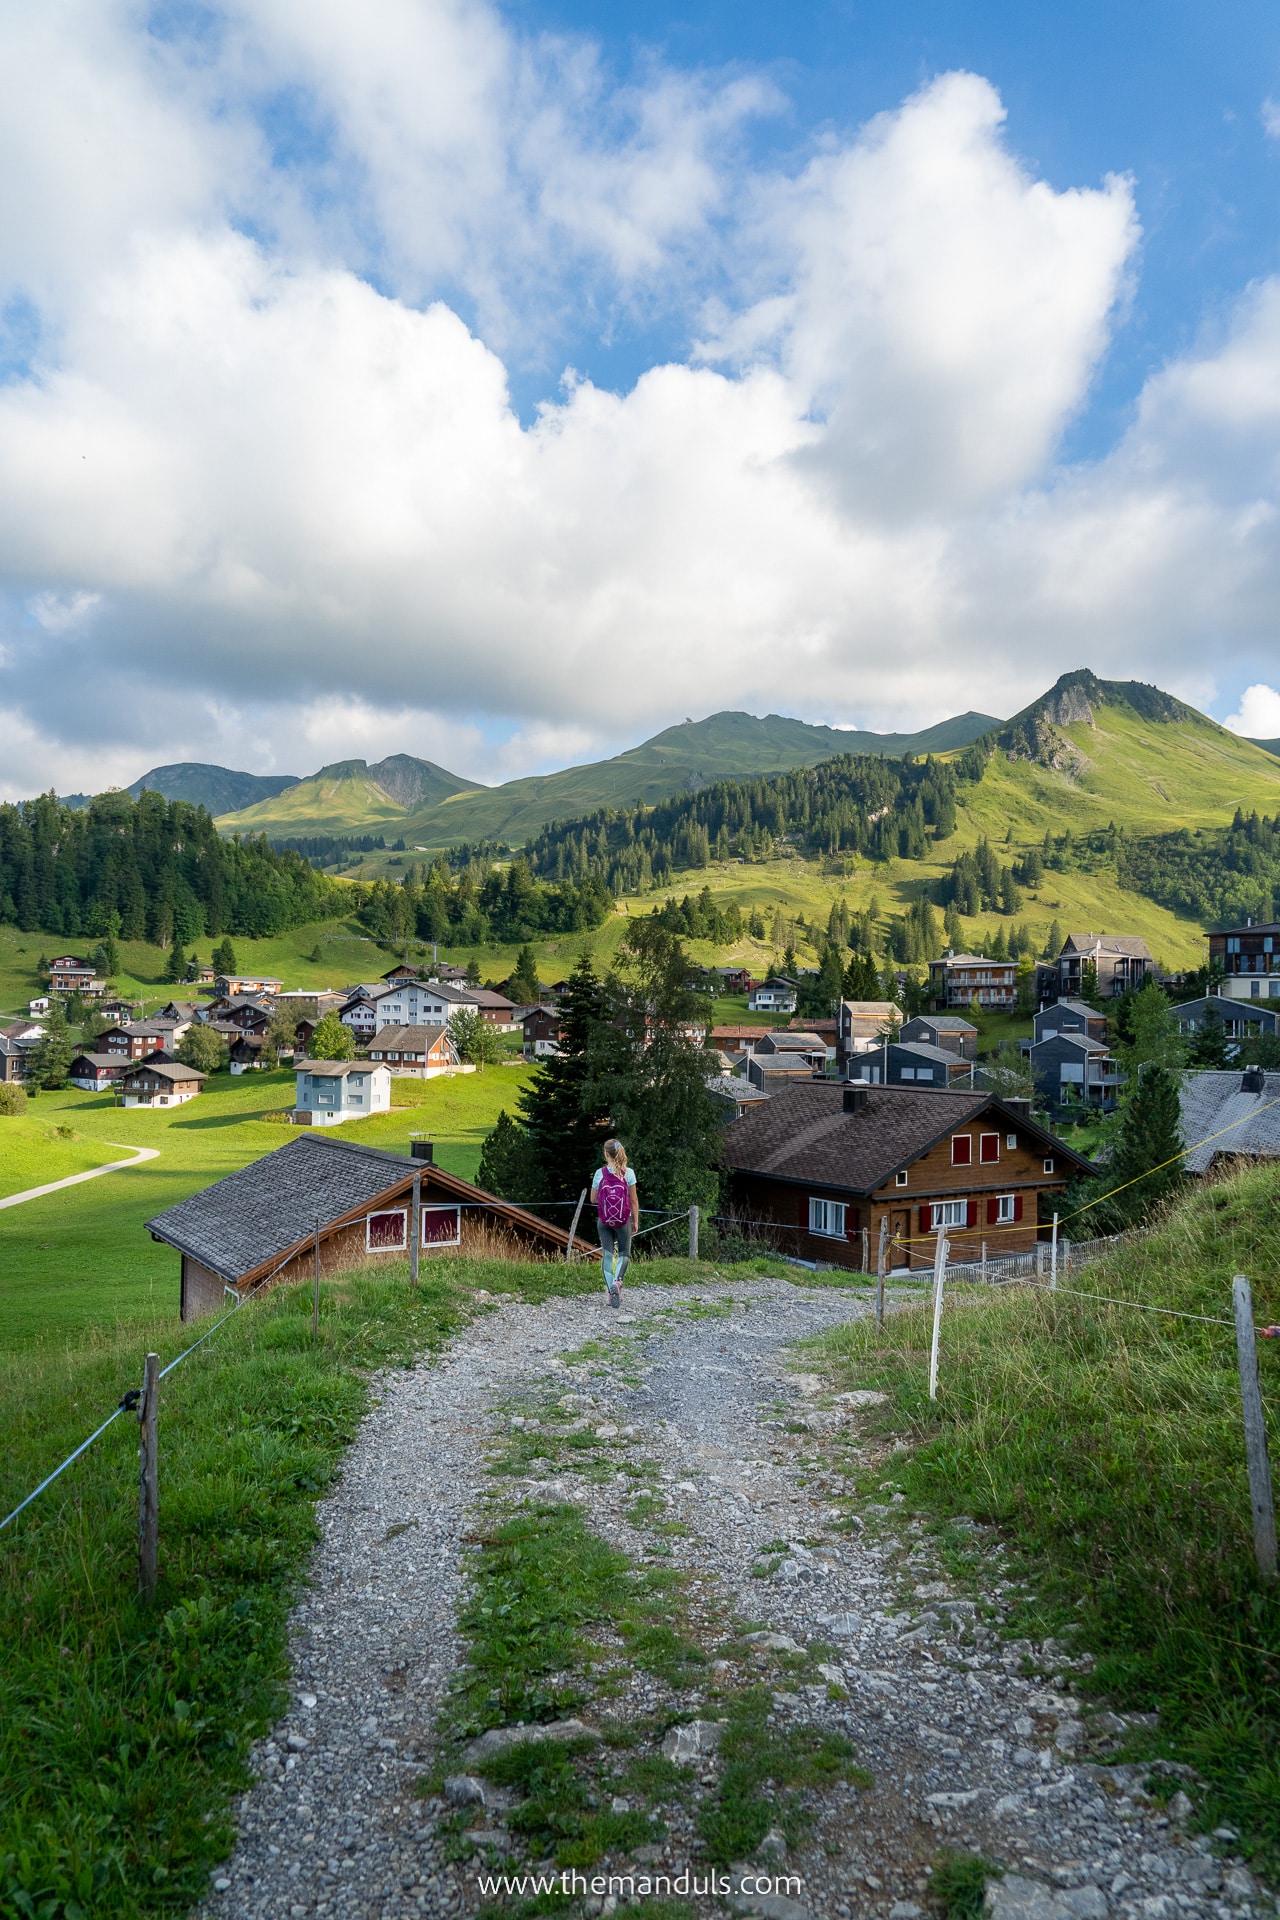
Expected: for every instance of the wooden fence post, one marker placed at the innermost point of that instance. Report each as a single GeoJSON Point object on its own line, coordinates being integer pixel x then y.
{"type": "Point", "coordinates": [1053, 1261]}
{"type": "Point", "coordinates": [866, 1250]}
{"type": "Point", "coordinates": [884, 1234]}
{"type": "Point", "coordinates": [1255, 1431]}
{"type": "Point", "coordinates": [148, 1480]}
{"type": "Point", "coordinates": [415, 1215]}
{"type": "Point", "coordinates": [939, 1281]}
{"type": "Point", "coordinates": [573, 1225]}
{"type": "Point", "coordinates": [315, 1290]}
{"type": "Point", "coordinates": [693, 1233]}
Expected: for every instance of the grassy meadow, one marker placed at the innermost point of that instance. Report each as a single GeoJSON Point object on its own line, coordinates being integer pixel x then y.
{"type": "Point", "coordinates": [1104, 1443]}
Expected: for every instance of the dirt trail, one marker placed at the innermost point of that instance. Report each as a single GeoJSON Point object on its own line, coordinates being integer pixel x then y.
{"type": "Point", "coordinates": [964, 1750]}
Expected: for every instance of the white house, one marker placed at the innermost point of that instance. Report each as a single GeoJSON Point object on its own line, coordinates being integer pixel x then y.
{"type": "Point", "coordinates": [775, 996]}
{"type": "Point", "coordinates": [417, 1003]}
{"type": "Point", "coordinates": [329, 1091]}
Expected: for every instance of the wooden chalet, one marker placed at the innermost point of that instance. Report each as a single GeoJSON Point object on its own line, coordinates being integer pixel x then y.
{"type": "Point", "coordinates": [92, 1072]}
{"type": "Point", "coordinates": [140, 1038]}
{"type": "Point", "coordinates": [542, 1029]}
{"type": "Point", "coordinates": [419, 1052]}
{"type": "Point", "coordinates": [258, 1226]}
{"type": "Point", "coordinates": [826, 1161]}
{"type": "Point", "coordinates": [160, 1083]}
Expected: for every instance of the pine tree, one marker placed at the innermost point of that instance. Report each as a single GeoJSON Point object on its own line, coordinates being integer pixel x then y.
{"type": "Point", "coordinates": [473, 972]}
{"type": "Point", "coordinates": [177, 967]}
{"type": "Point", "coordinates": [523, 986]}
{"type": "Point", "coordinates": [506, 1162]}
{"type": "Point", "coordinates": [53, 1053]}
{"type": "Point", "coordinates": [563, 1126]}
{"type": "Point", "coordinates": [1053, 945]}
{"type": "Point", "coordinates": [861, 980]}
{"type": "Point", "coordinates": [224, 958]}
{"type": "Point", "coordinates": [1208, 1046]}
{"type": "Point", "coordinates": [953, 929]}
{"type": "Point", "coordinates": [1145, 1166]}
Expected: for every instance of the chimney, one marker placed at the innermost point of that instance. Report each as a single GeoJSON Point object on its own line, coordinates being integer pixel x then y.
{"type": "Point", "coordinates": [422, 1149]}
{"type": "Point", "coordinates": [1253, 1080]}
{"type": "Point", "coordinates": [855, 1097]}
{"type": "Point", "coordinates": [1018, 1104]}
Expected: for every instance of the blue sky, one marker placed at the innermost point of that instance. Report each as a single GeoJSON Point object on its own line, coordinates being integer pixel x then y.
{"type": "Point", "coordinates": [377, 380]}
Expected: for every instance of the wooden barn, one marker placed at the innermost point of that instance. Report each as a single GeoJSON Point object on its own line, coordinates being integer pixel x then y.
{"type": "Point", "coordinates": [262, 1223]}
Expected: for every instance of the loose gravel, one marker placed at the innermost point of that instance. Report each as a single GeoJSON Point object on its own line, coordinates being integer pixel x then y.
{"type": "Point", "coordinates": [973, 1742]}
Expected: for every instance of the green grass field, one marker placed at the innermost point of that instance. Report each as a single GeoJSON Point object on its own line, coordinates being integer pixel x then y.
{"type": "Point", "coordinates": [35, 1151]}
{"type": "Point", "coordinates": [79, 1261]}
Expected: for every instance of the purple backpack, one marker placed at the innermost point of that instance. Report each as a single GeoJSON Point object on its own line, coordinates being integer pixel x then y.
{"type": "Point", "coordinates": [613, 1199]}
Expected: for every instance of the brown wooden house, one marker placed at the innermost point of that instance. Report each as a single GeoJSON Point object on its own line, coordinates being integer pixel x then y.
{"type": "Point", "coordinates": [258, 1226]}
{"type": "Point", "coordinates": [825, 1161]}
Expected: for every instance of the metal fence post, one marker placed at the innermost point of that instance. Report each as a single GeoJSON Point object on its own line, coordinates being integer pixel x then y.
{"type": "Point", "coordinates": [1053, 1259]}
{"type": "Point", "coordinates": [984, 1263]}
{"type": "Point", "coordinates": [148, 1480]}
{"type": "Point", "coordinates": [693, 1233]}
{"type": "Point", "coordinates": [939, 1281]}
{"type": "Point", "coordinates": [315, 1290]}
{"type": "Point", "coordinates": [416, 1218]}
{"type": "Point", "coordinates": [1255, 1431]}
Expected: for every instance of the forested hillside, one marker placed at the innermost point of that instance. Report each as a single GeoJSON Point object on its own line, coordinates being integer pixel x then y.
{"type": "Point", "coordinates": [148, 869]}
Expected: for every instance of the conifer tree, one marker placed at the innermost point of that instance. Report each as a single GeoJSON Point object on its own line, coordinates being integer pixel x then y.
{"type": "Point", "coordinates": [506, 1163]}
{"type": "Point", "coordinates": [177, 967]}
{"type": "Point", "coordinates": [558, 1113]}
{"type": "Point", "coordinates": [53, 1053]}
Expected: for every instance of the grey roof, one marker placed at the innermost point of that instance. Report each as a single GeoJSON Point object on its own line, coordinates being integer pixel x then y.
{"type": "Point", "coordinates": [1215, 1103]}
{"type": "Point", "coordinates": [402, 1039]}
{"type": "Point", "coordinates": [730, 1086]}
{"type": "Point", "coordinates": [1074, 1006]}
{"type": "Point", "coordinates": [925, 1050]}
{"type": "Point", "coordinates": [335, 1069]}
{"type": "Point", "coordinates": [1127, 943]}
{"type": "Point", "coordinates": [261, 1210]}
{"type": "Point", "coordinates": [1068, 1037]}
{"type": "Point", "coordinates": [788, 1041]}
{"type": "Point", "coordinates": [945, 1022]}
{"type": "Point", "coordinates": [1259, 1013]}
{"type": "Point", "coordinates": [167, 1069]}
{"type": "Point", "coordinates": [100, 1061]}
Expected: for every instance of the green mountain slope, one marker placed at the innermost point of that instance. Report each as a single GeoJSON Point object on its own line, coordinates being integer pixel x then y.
{"type": "Point", "coordinates": [1093, 751]}
{"type": "Point", "coordinates": [220, 789]}
{"type": "Point", "coordinates": [348, 797]}
{"type": "Point", "coordinates": [1269, 746]}
{"type": "Point", "coordinates": [685, 757]}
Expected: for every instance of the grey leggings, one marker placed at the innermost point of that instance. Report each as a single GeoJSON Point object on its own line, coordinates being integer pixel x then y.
{"type": "Point", "coordinates": [615, 1244]}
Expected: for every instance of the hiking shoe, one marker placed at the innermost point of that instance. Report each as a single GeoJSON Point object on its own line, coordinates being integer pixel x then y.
{"type": "Point", "coordinates": [615, 1294]}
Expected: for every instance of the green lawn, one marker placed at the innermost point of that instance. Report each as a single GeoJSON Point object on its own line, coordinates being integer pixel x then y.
{"type": "Point", "coordinates": [34, 1152]}
{"type": "Point", "coordinates": [78, 1261]}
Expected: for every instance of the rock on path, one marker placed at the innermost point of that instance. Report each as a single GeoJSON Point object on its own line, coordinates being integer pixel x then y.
{"type": "Point", "coordinates": [964, 1750]}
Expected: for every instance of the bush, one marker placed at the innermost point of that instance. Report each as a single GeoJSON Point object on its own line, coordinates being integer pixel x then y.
{"type": "Point", "coordinates": [204, 1050]}
{"type": "Point", "coordinates": [13, 1099]}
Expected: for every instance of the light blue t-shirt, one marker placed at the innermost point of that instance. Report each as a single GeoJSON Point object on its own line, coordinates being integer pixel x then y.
{"type": "Point", "coordinates": [595, 1184]}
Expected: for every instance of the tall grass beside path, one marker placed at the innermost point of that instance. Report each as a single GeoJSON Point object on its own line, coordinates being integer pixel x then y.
{"type": "Point", "coordinates": [1106, 1444]}
{"type": "Point", "coordinates": [124, 1729]}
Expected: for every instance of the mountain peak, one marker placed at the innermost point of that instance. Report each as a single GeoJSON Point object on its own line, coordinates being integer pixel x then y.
{"type": "Point", "coordinates": [1074, 700]}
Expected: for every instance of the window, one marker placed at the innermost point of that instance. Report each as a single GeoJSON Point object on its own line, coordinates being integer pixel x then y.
{"type": "Point", "coordinates": [908, 1073]}
{"type": "Point", "coordinates": [1011, 1141]}
{"type": "Point", "coordinates": [827, 1217]}
{"type": "Point", "coordinates": [386, 1232]}
{"type": "Point", "coordinates": [950, 1213]}
{"type": "Point", "coordinates": [900, 1180]}
{"type": "Point", "coordinates": [989, 1148]}
{"type": "Point", "coordinates": [1048, 1166]}
{"type": "Point", "coordinates": [441, 1226]}
{"type": "Point", "coordinates": [1005, 1209]}
{"type": "Point", "coordinates": [961, 1150]}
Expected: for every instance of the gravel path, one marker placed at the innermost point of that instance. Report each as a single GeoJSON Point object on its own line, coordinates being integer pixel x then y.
{"type": "Point", "coordinates": [965, 1751]}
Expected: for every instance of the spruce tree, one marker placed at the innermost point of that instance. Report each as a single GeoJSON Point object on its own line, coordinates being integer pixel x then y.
{"type": "Point", "coordinates": [523, 986]}
{"type": "Point", "coordinates": [1145, 1165]}
{"type": "Point", "coordinates": [506, 1162]}
{"type": "Point", "coordinates": [564, 1127]}
{"type": "Point", "coordinates": [53, 1053]}
{"type": "Point", "coordinates": [177, 967]}
{"type": "Point", "coordinates": [224, 957]}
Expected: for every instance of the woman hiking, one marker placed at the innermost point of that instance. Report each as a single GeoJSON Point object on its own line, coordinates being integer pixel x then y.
{"type": "Point", "coordinates": [617, 1215]}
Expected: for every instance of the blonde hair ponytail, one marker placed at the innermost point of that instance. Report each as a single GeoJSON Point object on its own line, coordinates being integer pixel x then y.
{"type": "Point", "coordinates": [616, 1155]}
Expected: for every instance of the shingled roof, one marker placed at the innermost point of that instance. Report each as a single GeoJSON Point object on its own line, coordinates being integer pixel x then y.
{"type": "Point", "coordinates": [803, 1133]}
{"type": "Point", "coordinates": [253, 1218]}
{"type": "Point", "coordinates": [1221, 1115]}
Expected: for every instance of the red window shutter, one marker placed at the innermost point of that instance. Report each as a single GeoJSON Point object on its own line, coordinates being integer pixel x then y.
{"type": "Point", "coordinates": [961, 1149]}
{"type": "Point", "coordinates": [971, 1214]}
{"type": "Point", "coordinates": [993, 1212]}
{"type": "Point", "coordinates": [990, 1148]}
{"type": "Point", "coordinates": [926, 1219]}
{"type": "Point", "coordinates": [1017, 1206]}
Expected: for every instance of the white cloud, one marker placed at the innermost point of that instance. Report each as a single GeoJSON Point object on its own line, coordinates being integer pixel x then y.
{"type": "Point", "coordinates": [1258, 715]}
{"type": "Point", "coordinates": [1271, 118]}
{"type": "Point", "coordinates": [266, 492]}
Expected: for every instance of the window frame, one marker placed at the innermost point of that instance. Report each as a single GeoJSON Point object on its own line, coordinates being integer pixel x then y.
{"type": "Point", "coordinates": [435, 1209]}
{"type": "Point", "coordinates": [948, 1206]}
{"type": "Point", "coordinates": [1003, 1200]}
{"type": "Point", "coordinates": [387, 1213]}
{"type": "Point", "coordinates": [986, 1159]}
{"type": "Point", "coordinates": [965, 1158]}
{"type": "Point", "coordinates": [827, 1209]}
{"type": "Point", "coordinates": [1050, 1165]}
{"type": "Point", "coordinates": [900, 1180]}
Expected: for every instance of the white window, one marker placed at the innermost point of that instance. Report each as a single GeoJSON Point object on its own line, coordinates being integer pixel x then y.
{"type": "Point", "coordinates": [908, 1073]}
{"type": "Point", "coordinates": [386, 1232]}
{"type": "Point", "coordinates": [950, 1213]}
{"type": "Point", "coordinates": [901, 1179]}
{"type": "Point", "coordinates": [1006, 1209]}
{"type": "Point", "coordinates": [1048, 1166]}
{"type": "Point", "coordinates": [827, 1217]}
{"type": "Point", "coordinates": [441, 1226]}
{"type": "Point", "coordinates": [1011, 1139]}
